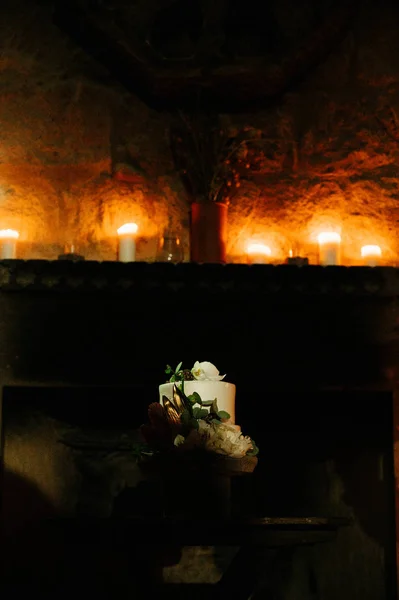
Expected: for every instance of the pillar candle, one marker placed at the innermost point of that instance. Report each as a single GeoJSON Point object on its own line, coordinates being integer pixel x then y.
{"type": "Point", "coordinates": [127, 242]}
{"type": "Point", "coordinates": [329, 248]}
{"type": "Point", "coordinates": [371, 255]}
{"type": "Point", "coordinates": [8, 243]}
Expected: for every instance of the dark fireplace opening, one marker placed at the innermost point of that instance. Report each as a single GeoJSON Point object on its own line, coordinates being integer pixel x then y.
{"type": "Point", "coordinates": [68, 451]}
{"type": "Point", "coordinates": [330, 453]}
{"type": "Point", "coordinates": [298, 433]}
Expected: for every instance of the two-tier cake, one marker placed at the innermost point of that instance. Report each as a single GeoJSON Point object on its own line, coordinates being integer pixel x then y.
{"type": "Point", "coordinates": [204, 379]}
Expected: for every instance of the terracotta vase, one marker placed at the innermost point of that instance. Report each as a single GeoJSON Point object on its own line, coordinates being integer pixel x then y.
{"type": "Point", "coordinates": [208, 232]}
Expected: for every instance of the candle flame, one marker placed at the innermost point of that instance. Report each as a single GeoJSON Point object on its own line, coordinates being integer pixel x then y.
{"type": "Point", "coordinates": [290, 253]}
{"type": "Point", "coordinates": [259, 249]}
{"type": "Point", "coordinates": [370, 250]}
{"type": "Point", "coordinates": [9, 234]}
{"type": "Point", "coordinates": [328, 237]}
{"type": "Point", "coordinates": [128, 229]}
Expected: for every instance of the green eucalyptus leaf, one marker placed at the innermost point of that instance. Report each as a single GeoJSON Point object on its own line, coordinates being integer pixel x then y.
{"type": "Point", "coordinates": [222, 414]}
{"type": "Point", "coordinates": [200, 413]}
{"type": "Point", "coordinates": [207, 402]}
{"type": "Point", "coordinates": [214, 406]}
{"type": "Point", "coordinates": [178, 367]}
{"type": "Point", "coordinates": [197, 397]}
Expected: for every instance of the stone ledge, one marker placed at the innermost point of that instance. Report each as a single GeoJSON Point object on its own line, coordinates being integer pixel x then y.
{"type": "Point", "coordinates": [147, 278]}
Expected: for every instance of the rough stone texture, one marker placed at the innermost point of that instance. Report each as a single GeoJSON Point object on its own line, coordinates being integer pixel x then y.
{"type": "Point", "coordinates": [333, 149]}
{"type": "Point", "coordinates": [328, 160]}
{"type": "Point", "coordinates": [66, 128]}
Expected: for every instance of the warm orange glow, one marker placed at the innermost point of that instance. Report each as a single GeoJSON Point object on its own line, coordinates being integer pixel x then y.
{"type": "Point", "coordinates": [259, 249]}
{"type": "Point", "coordinates": [9, 234]}
{"type": "Point", "coordinates": [374, 251]}
{"type": "Point", "coordinates": [329, 237]}
{"type": "Point", "coordinates": [128, 229]}
{"type": "Point", "coordinates": [290, 253]}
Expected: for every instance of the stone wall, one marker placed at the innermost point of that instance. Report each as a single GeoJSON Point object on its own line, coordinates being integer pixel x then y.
{"type": "Point", "coordinates": [67, 127]}
{"type": "Point", "coordinates": [333, 150]}
{"type": "Point", "coordinates": [329, 157]}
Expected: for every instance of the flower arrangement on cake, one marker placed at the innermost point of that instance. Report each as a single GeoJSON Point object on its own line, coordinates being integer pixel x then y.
{"type": "Point", "coordinates": [193, 429]}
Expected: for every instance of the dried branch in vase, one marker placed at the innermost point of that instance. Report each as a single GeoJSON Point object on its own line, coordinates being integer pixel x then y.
{"type": "Point", "coordinates": [212, 161]}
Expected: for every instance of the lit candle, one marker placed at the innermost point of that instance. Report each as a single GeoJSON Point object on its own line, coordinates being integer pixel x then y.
{"type": "Point", "coordinates": [371, 255]}
{"type": "Point", "coordinates": [329, 248]}
{"type": "Point", "coordinates": [258, 254]}
{"type": "Point", "coordinates": [127, 242]}
{"type": "Point", "coordinates": [8, 243]}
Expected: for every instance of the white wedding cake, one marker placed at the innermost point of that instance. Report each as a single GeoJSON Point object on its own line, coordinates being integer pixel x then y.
{"type": "Point", "coordinates": [208, 384]}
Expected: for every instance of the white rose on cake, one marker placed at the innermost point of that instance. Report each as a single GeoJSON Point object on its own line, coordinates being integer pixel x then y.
{"type": "Point", "coordinates": [206, 371]}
